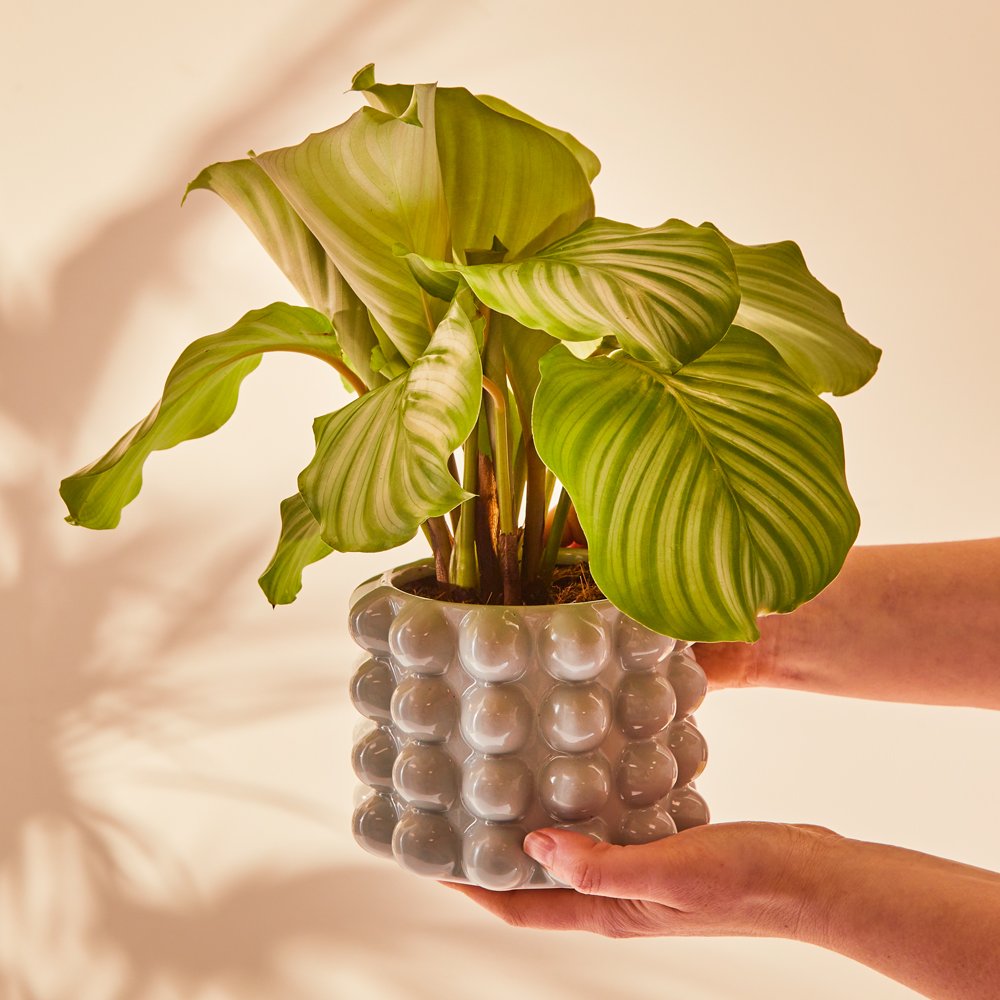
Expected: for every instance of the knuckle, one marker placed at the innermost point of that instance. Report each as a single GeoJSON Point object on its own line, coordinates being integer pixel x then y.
{"type": "Point", "coordinates": [585, 876]}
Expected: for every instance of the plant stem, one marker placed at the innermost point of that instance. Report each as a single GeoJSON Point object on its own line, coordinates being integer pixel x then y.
{"type": "Point", "coordinates": [507, 543]}
{"type": "Point", "coordinates": [463, 557]}
{"type": "Point", "coordinates": [501, 452]}
{"type": "Point", "coordinates": [551, 550]}
{"type": "Point", "coordinates": [490, 579]}
{"type": "Point", "coordinates": [441, 543]}
{"type": "Point", "coordinates": [359, 387]}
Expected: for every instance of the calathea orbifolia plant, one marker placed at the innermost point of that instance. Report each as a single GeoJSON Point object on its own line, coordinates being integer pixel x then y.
{"type": "Point", "coordinates": [503, 343]}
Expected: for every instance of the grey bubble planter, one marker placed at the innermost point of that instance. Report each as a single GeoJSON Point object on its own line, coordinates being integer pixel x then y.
{"type": "Point", "coordinates": [485, 722]}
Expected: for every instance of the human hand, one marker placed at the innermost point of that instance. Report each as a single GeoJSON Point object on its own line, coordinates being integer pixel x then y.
{"type": "Point", "coordinates": [750, 664]}
{"type": "Point", "coordinates": [722, 879]}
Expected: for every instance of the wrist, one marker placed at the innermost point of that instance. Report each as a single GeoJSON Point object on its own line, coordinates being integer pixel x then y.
{"type": "Point", "coordinates": [797, 902]}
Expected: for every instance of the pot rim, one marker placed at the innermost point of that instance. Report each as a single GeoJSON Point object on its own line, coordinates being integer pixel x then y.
{"type": "Point", "coordinates": [421, 568]}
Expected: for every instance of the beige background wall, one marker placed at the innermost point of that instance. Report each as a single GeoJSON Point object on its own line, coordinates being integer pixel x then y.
{"type": "Point", "coordinates": [174, 780]}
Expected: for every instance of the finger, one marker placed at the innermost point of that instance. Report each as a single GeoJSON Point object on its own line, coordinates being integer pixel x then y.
{"type": "Point", "coordinates": [598, 869]}
{"type": "Point", "coordinates": [547, 909]}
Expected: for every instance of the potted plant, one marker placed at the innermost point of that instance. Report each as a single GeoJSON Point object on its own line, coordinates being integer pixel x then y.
{"type": "Point", "coordinates": [611, 437]}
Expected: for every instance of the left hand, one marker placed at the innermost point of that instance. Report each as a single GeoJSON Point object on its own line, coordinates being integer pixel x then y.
{"type": "Point", "coordinates": [721, 879]}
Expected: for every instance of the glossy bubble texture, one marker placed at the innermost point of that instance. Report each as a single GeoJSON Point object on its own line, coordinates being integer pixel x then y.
{"type": "Point", "coordinates": [421, 640]}
{"type": "Point", "coordinates": [424, 708]}
{"type": "Point", "coordinates": [575, 718]}
{"type": "Point", "coordinates": [494, 644]}
{"type": "Point", "coordinates": [574, 643]}
{"type": "Point", "coordinates": [640, 826]}
{"type": "Point", "coordinates": [497, 788]}
{"type": "Point", "coordinates": [575, 787]}
{"type": "Point", "coordinates": [425, 776]}
{"type": "Point", "coordinates": [373, 823]}
{"type": "Point", "coordinates": [492, 856]}
{"type": "Point", "coordinates": [371, 689]}
{"type": "Point", "coordinates": [483, 723]}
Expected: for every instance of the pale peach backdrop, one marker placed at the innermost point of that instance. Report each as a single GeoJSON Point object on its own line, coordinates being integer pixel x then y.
{"type": "Point", "coordinates": [175, 789]}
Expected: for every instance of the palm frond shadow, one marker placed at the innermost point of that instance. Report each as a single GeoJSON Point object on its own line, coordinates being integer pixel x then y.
{"type": "Point", "coordinates": [387, 928]}
{"type": "Point", "coordinates": [61, 699]}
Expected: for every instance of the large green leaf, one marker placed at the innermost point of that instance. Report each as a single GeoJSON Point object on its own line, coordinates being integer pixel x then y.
{"type": "Point", "coordinates": [199, 396]}
{"type": "Point", "coordinates": [504, 179]}
{"type": "Point", "coordinates": [362, 187]}
{"type": "Point", "coordinates": [587, 158]}
{"type": "Point", "coordinates": [252, 195]}
{"type": "Point", "coordinates": [380, 468]}
{"type": "Point", "coordinates": [523, 348]}
{"type": "Point", "coordinates": [244, 186]}
{"type": "Point", "coordinates": [394, 98]}
{"type": "Point", "coordinates": [667, 293]}
{"type": "Point", "coordinates": [299, 544]}
{"type": "Point", "coordinates": [803, 319]}
{"type": "Point", "coordinates": [710, 495]}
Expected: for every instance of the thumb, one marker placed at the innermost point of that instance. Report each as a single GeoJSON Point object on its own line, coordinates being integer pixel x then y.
{"type": "Point", "coordinates": [592, 866]}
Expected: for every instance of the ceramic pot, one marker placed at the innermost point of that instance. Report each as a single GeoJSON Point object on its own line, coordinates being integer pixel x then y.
{"type": "Point", "coordinates": [485, 722]}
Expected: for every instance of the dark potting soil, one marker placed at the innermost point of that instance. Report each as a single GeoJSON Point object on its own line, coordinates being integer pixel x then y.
{"type": "Point", "coordinates": [570, 585]}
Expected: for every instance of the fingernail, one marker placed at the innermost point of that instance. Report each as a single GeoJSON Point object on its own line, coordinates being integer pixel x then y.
{"type": "Point", "coordinates": [541, 847]}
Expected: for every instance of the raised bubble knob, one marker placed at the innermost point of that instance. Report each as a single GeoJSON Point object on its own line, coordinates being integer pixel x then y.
{"type": "Point", "coordinates": [689, 750]}
{"type": "Point", "coordinates": [646, 772]}
{"type": "Point", "coordinates": [577, 787]}
{"type": "Point", "coordinates": [574, 644]}
{"type": "Point", "coordinates": [640, 648]}
{"type": "Point", "coordinates": [688, 681]}
{"type": "Point", "coordinates": [640, 826]}
{"type": "Point", "coordinates": [494, 644]}
{"type": "Point", "coordinates": [421, 638]}
{"type": "Point", "coordinates": [575, 717]}
{"type": "Point", "coordinates": [371, 689]}
{"type": "Point", "coordinates": [493, 858]}
{"type": "Point", "coordinates": [372, 824]}
{"type": "Point", "coordinates": [426, 844]}
{"type": "Point", "coordinates": [424, 775]}
{"type": "Point", "coordinates": [595, 828]}
{"type": "Point", "coordinates": [370, 620]}
{"type": "Point", "coordinates": [373, 757]}
{"type": "Point", "coordinates": [497, 788]}
{"type": "Point", "coordinates": [644, 704]}
{"type": "Point", "coordinates": [424, 708]}
{"type": "Point", "coordinates": [496, 718]}
{"type": "Point", "coordinates": [687, 808]}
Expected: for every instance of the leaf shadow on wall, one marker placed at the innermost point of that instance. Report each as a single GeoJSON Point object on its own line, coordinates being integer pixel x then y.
{"type": "Point", "coordinates": [75, 923]}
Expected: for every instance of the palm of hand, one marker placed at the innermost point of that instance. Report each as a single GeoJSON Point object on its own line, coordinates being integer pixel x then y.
{"type": "Point", "coordinates": [708, 880]}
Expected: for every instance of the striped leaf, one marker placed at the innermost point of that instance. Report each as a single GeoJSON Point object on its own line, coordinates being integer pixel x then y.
{"type": "Point", "coordinates": [380, 468]}
{"type": "Point", "coordinates": [361, 188]}
{"type": "Point", "coordinates": [523, 349]}
{"type": "Point", "coordinates": [299, 544]}
{"type": "Point", "coordinates": [244, 186]}
{"type": "Point", "coordinates": [589, 163]}
{"type": "Point", "coordinates": [504, 179]}
{"type": "Point", "coordinates": [199, 396]}
{"type": "Point", "coordinates": [803, 319]}
{"type": "Point", "coordinates": [252, 195]}
{"type": "Point", "coordinates": [710, 495]}
{"type": "Point", "coordinates": [394, 98]}
{"type": "Point", "coordinates": [667, 293]}
{"type": "Point", "coordinates": [506, 174]}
